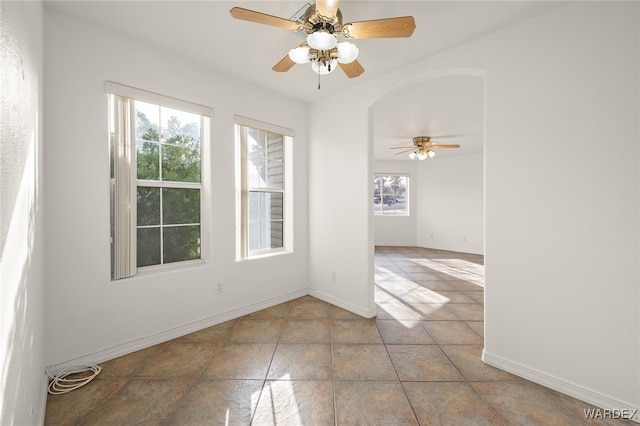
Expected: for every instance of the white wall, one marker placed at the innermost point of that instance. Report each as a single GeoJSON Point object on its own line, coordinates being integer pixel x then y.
{"type": "Point", "coordinates": [88, 315]}
{"type": "Point", "coordinates": [398, 230]}
{"type": "Point", "coordinates": [22, 378]}
{"type": "Point", "coordinates": [562, 224]}
{"type": "Point", "coordinates": [561, 197]}
{"type": "Point", "coordinates": [340, 206]}
{"type": "Point", "coordinates": [450, 195]}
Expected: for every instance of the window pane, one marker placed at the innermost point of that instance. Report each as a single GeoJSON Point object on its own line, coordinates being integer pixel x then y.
{"type": "Point", "coordinates": [148, 250]}
{"type": "Point", "coordinates": [390, 195]}
{"type": "Point", "coordinates": [276, 238]}
{"type": "Point", "coordinates": [275, 147]}
{"type": "Point", "coordinates": [179, 127]}
{"type": "Point", "coordinates": [275, 174]}
{"type": "Point", "coordinates": [257, 171]}
{"type": "Point", "coordinates": [272, 206]}
{"type": "Point", "coordinates": [148, 206]}
{"type": "Point", "coordinates": [254, 236]}
{"type": "Point", "coordinates": [180, 205]}
{"type": "Point", "coordinates": [148, 159]}
{"type": "Point", "coordinates": [147, 121]}
{"type": "Point", "coordinates": [181, 243]}
{"type": "Point", "coordinates": [254, 205]}
{"type": "Point", "coordinates": [180, 164]}
{"type": "Point", "coordinates": [376, 190]}
{"type": "Point", "coordinates": [264, 206]}
{"type": "Point", "coordinates": [256, 140]}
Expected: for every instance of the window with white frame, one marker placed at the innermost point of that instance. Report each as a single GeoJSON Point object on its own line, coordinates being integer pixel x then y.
{"type": "Point", "coordinates": [265, 195]}
{"type": "Point", "coordinates": [391, 194]}
{"type": "Point", "coordinates": [156, 146]}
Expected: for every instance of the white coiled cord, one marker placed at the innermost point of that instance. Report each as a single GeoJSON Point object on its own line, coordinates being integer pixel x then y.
{"type": "Point", "coordinates": [61, 383]}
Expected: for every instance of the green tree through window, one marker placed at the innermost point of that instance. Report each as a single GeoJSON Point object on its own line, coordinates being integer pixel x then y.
{"type": "Point", "coordinates": [168, 187]}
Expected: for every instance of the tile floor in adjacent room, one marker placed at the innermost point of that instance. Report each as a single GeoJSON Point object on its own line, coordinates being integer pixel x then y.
{"type": "Point", "coordinates": [306, 362]}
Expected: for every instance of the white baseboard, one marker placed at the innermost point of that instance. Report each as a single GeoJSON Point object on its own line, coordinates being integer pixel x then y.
{"type": "Point", "coordinates": [396, 244]}
{"type": "Point", "coordinates": [574, 390]}
{"type": "Point", "coordinates": [173, 333]}
{"type": "Point", "coordinates": [356, 309]}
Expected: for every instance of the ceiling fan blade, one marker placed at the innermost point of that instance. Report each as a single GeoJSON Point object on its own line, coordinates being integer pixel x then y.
{"type": "Point", "coordinates": [380, 28]}
{"type": "Point", "coordinates": [327, 8]}
{"type": "Point", "coordinates": [352, 69]}
{"type": "Point", "coordinates": [407, 150]}
{"type": "Point", "coordinates": [402, 147]}
{"type": "Point", "coordinates": [263, 18]}
{"type": "Point", "coordinates": [284, 65]}
{"type": "Point", "coordinates": [435, 145]}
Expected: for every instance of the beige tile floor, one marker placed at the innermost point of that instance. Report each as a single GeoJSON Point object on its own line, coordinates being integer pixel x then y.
{"type": "Point", "coordinates": [306, 362]}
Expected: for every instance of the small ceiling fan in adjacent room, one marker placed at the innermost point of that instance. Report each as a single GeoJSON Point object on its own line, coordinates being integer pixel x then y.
{"type": "Point", "coordinates": [322, 23]}
{"type": "Point", "coordinates": [423, 148]}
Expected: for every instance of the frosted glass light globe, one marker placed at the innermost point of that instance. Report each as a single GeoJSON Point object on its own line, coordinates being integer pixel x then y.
{"type": "Point", "coordinates": [324, 68]}
{"type": "Point", "coordinates": [347, 52]}
{"type": "Point", "coordinates": [299, 55]}
{"type": "Point", "coordinates": [322, 40]}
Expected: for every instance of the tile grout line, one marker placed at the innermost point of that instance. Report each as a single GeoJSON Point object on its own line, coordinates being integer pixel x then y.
{"type": "Point", "coordinates": [266, 374]}
{"type": "Point", "coordinates": [199, 377]}
{"type": "Point", "coordinates": [415, 415]}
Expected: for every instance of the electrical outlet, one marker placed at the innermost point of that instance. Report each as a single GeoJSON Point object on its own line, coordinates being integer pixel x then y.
{"type": "Point", "coordinates": [220, 288]}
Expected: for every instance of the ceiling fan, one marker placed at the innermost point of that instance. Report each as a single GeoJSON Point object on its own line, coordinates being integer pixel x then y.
{"type": "Point", "coordinates": [423, 148]}
{"type": "Point", "coordinates": [322, 23]}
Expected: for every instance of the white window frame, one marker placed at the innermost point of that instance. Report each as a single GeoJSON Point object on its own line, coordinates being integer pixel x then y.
{"type": "Point", "coordinates": [407, 195]}
{"type": "Point", "coordinates": [243, 190]}
{"type": "Point", "coordinates": [133, 94]}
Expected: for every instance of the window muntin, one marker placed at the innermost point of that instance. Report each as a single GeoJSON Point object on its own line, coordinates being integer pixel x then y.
{"type": "Point", "coordinates": [156, 169]}
{"type": "Point", "coordinates": [391, 195]}
{"type": "Point", "coordinates": [264, 204]}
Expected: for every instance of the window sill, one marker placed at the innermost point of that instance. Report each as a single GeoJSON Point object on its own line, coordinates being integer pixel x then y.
{"type": "Point", "coordinates": [265, 255]}
{"type": "Point", "coordinates": [146, 271]}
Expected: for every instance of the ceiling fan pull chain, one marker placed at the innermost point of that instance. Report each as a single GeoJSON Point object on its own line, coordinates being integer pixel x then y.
{"type": "Point", "coordinates": [318, 81]}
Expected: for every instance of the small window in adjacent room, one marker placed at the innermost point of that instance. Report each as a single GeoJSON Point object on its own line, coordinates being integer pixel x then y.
{"type": "Point", "coordinates": [265, 202]}
{"type": "Point", "coordinates": [156, 146]}
{"type": "Point", "coordinates": [391, 195]}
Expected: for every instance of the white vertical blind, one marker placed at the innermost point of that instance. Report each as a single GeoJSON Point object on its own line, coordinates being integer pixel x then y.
{"type": "Point", "coordinates": [244, 190]}
{"type": "Point", "coordinates": [124, 207]}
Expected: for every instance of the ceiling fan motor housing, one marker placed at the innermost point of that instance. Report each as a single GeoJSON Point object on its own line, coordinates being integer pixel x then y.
{"type": "Point", "coordinates": [313, 21]}
{"type": "Point", "coordinates": [421, 141]}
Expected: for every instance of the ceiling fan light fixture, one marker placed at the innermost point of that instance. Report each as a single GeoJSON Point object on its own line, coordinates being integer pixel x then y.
{"type": "Point", "coordinates": [300, 55]}
{"type": "Point", "coordinates": [347, 52]}
{"type": "Point", "coordinates": [431, 153]}
{"type": "Point", "coordinates": [412, 155]}
{"type": "Point", "coordinates": [322, 40]}
{"type": "Point", "coordinates": [422, 155]}
{"type": "Point", "coordinates": [324, 67]}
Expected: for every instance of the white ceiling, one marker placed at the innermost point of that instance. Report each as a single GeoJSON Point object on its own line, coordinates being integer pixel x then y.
{"type": "Point", "coordinates": [449, 109]}
{"type": "Point", "coordinates": [205, 33]}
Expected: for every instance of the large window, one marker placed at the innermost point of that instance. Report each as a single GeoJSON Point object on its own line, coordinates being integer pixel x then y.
{"type": "Point", "coordinates": [156, 173]}
{"type": "Point", "coordinates": [265, 195]}
{"type": "Point", "coordinates": [391, 195]}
